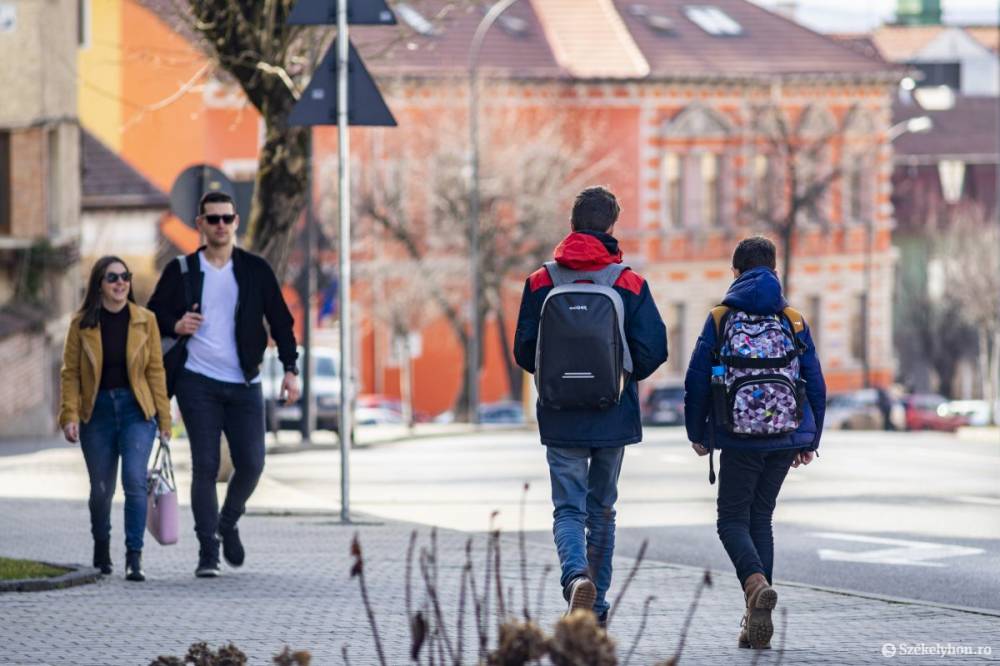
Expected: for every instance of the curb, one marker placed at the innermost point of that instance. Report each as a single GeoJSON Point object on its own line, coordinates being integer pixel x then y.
{"type": "Point", "coordinates": [77, 575]}
{"type": "Point", "coordinates": [282, 449]}
{"type": "Point", "coordinates": [874, 596]}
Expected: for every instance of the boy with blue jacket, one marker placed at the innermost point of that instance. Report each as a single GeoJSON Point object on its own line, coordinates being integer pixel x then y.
{"type": "Point", "coordinates": [585, 447]}
{"type": "Point", "coordinates": [752, 468]}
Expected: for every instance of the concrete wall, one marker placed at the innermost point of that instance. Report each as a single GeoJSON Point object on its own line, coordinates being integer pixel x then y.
{"type": "Point", "coordinates": [38, 76]}
{"type": "Point", "coordinates": [38, 61]}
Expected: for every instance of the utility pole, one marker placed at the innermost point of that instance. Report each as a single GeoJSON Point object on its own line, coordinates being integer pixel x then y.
{"type": "Point", "coordinates": [475, 280]}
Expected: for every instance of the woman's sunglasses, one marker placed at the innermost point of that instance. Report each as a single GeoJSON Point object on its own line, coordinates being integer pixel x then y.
{"type": "Point", "coordinates": [112, 278]}
{"type": "Point", "coordinates": [215, 219]}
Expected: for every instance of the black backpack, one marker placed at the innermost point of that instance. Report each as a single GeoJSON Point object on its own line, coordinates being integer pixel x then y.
{"type": "Point", "coordinates": [582, 360]}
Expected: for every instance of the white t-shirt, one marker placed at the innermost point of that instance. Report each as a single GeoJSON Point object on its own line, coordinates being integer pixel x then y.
{"type": "Point", "coordinates": [212, 350]}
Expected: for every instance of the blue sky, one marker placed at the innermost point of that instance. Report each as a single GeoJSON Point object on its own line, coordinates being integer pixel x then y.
{"type": "Point", "coordinates": [858, 15]}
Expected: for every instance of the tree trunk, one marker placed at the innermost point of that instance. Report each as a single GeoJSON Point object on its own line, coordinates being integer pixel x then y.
{"type": "Point", "coordinates": [461, 409]}
{"type": "Point", "coordinates": [787, 237]}
{"type": "Point", "coordinates": [279, 191]}
{"type": "Point", "coordinates": [514, 382]}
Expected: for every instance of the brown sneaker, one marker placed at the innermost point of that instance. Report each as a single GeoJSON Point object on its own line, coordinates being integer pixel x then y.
{"type": "Point", "coordinates": [761, 600]}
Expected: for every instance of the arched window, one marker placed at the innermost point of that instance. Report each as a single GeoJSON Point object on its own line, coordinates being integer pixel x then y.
{"type": "Point", "coordinates": [695, 178]}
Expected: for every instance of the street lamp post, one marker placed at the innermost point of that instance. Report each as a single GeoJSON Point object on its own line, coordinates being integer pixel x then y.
{"type": "Point", "coordinates": [916, 125]}
{"type": "Point", "coordinates": [475, 335]}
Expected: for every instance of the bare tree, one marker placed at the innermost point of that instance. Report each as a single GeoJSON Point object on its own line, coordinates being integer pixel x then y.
{"type": "Point", "coordinates": [970, 253]}
{"type": "Point", "coordinates": [950, 301]}
{"type": "Point", "coordinates": [531, 169]}
{"type": "Point", "coordinates": [251, 43]}
{"type": "Point", "coordinates": [799, 174]}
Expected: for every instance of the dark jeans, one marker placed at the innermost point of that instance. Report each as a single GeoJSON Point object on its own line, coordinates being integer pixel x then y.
{"type": "Point", "coordinates": [749, 482]}
{"type": "Point", "coordinates": [584, 491]}
{"type": "Point", "coordinates": [210, 408]}
{"type": "Point", "coordinates": [117, 428]}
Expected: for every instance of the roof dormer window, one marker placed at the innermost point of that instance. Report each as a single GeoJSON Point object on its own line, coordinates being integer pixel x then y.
{"type": "Point", "coordinates": [713, 20]}
{"type": "Point", "coordinates": [656, 21]}
{"type": "Point", "coordinates": [417, 21]}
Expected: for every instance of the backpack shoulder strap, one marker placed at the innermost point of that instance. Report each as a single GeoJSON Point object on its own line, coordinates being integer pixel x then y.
{"type": "Point", "coordinates": [718, 314]}
{"type": "Point", "coordinates": [796, 319]}
{"type": "Point", "coordinates": [186, 278]}
{"type": "Point", "coordinates": [609, 275]}
{"type": "Point", "coordinates": [606, 277]}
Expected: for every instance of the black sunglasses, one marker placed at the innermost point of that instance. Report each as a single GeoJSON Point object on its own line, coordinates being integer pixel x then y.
{"type": "Point", "coordinates": [114, 277]}
{"type": "Point", "coordinates": [215, 219]}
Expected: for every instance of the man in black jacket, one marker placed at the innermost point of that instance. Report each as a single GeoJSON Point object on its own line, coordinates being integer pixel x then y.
{"type": "Point", "coordinates": [218, 389]}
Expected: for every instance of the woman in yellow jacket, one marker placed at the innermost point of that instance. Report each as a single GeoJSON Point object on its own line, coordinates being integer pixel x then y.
{"type": "Point", "coordinates": [113, 385]}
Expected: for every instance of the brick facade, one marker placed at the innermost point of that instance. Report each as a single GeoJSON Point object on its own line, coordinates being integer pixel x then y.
{"type": "Point", "coordinates": [24, 391]}
{"type": "Point", "coordinates": [686, 263]}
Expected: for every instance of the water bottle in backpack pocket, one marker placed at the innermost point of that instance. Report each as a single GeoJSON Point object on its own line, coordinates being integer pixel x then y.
{"type": "Point", "coordinates": [582, 360]}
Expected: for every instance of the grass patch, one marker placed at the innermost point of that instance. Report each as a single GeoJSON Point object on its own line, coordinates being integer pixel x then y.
{"type": "Point", "coordinates": [20, 569]}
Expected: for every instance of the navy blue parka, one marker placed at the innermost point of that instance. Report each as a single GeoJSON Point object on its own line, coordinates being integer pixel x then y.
{"type": "Point", "coordinates": [756, 291]}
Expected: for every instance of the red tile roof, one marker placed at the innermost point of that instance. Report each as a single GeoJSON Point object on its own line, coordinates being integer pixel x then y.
{"type": "Point", "coordinates": [769, 43]}
{"type": "Point", "coordinates": [516, 54]}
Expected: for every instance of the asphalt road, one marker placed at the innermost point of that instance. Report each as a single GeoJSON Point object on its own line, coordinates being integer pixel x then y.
{"type": "Point", "coordinates": [912, 515]}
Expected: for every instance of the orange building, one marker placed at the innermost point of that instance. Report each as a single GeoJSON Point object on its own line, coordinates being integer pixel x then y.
{"type": "Point", "coordinates": [666, 96]}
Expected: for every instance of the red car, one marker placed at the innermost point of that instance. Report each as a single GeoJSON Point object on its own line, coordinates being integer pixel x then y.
{"type": "Point", "coordinates": [927, 411]}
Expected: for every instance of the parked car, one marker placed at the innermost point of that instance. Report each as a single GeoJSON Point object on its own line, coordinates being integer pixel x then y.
{"type": "Point", "coordinates": [505, 411]}
{"type": "Point", "coordinates": [862, 410]}
{"type": "Point", "coordinates": [664, 405]}
{"type": "Point", "coordinates": [929, 411]}
{"type": "Point", "coordinates": [325, 386]}
{"type": "Point", "coordinates": [976, 412]}
{"type": "Point", "coordinates": [855, 410]}
{"type": "Point", "coordinates": [376, 408]}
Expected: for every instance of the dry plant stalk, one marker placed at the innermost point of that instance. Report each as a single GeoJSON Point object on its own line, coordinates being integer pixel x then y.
{"type": "Point", "coordinates": [642, 629]}
{"type": "Point", "coordinates": [628, 580]}
{"type": "Point", "coordinates": [358, 570]}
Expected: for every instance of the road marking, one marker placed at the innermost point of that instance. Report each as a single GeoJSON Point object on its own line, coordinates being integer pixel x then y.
{"type": "Point", "coordinates": [901, 552]}
{"type": "Point", "coordinates": [973, 499]}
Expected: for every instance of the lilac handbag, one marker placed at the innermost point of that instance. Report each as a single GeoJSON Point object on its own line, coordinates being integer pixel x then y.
{"type": "Point", "coordinates": [162, 516]}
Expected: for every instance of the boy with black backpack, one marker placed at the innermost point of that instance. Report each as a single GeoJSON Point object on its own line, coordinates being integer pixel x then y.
{"type": "Point", "coordinates": [755, 390]}
{"type": "Point", "coordinates": [589, 331]}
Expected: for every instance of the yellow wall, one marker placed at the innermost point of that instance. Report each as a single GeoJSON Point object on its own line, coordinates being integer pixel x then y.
{"type": "Point", "coordinates": [100, 73]}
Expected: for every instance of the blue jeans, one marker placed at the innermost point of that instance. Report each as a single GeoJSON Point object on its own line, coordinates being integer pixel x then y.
{"type": "Point", "coordinates": [209, 408]}
{"type": "Point", "coordinates": [117, 428]}
{"type": "Point", "coordinates": [749, 482]}
{"type": "Point", "coordinates": [584, 491]}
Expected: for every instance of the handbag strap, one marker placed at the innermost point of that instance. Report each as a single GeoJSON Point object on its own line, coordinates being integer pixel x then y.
{"type": "Point", "coordinates": [163, 464]}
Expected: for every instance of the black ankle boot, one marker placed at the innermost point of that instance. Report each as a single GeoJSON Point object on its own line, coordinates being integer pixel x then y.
{"type": "Point", "coordinates": [133, 566]}
{"type": "Point", "coordinates": [102, 556]}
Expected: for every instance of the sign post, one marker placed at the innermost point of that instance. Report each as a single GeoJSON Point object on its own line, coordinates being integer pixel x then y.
{"type": "Point", "coordinates": [341, 93]}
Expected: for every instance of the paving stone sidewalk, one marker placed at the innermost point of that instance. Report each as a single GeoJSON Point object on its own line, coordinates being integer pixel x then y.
{"type": "Point", "coordinates": [295, 590]}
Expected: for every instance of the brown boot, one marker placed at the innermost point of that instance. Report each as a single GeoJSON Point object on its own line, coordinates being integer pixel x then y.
{"type": "Point", "coordinates": [744, 640]}
{"type": "Point", "coordinates": [761, 600]}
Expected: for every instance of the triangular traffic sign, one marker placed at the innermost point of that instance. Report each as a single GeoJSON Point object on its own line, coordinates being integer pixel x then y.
{"type": "Point", "coordinates": [324, 12]}
{"type": "Point", "coordinates": [318, 104]}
